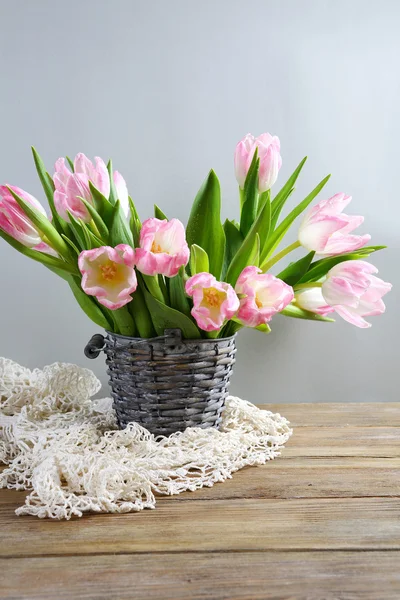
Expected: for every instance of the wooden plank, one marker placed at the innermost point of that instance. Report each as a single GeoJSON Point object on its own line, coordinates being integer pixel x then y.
{"type": "Point", "coordinates": [345, 441]}
{"type": "Point", "coordinates": [366, 414]}
{"type": "Point", "coordinates": [215, 525]}
{"type": "Point", "coordinates": [302, 478]}
{"type": "Point", "coordinates": [294, 478]}
{"type": "Point", "coordinates": [202, 576]}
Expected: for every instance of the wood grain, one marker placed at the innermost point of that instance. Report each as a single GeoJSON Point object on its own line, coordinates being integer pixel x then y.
{"type": "Point", "coordinates": [323, 521]}
{"type": "Point", "coordinates": [215, 525]}
{"type": "Point", "coordinates": [293, 478]}
{"type": "Point", "coordinates": [340, 414]}
{"type": "Point", "coordinates": [345, 441]}
{"type": "Point", "coordinates": [202, 576]}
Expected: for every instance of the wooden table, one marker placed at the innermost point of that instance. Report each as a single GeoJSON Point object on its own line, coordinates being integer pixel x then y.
{"type": "Point", "coordinates": [322, 522]}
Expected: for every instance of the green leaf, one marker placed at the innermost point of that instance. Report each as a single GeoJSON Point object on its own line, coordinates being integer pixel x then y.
{"type": "Point", "coordinates": [234, 240]}
{"type": "Point", "coordinates": [102, 205]}
{"type": "Point", "coordinates": [158, 213]}
{"type": "Point", "coordinates": [43, 225]}
{"type": "Point", "coordinates": [140, 313]}
{"type": "Point", "coordinates": [42, 257]}
{"type": "Point", "coordinates": [262, 225]}
{"type": "Point", "coordinates": [248, 254]}
{"type": "Point", "coordinates": [199, 262]}
{"type": "Point", "coordinates": [295, 271]}
{"type": "Point", "coordinates": [124, 321]}
{"type": "Point", "coordinates": [298, 313]}
{"type": "Point", "coordinates": [71, 244]}
{"type": "Point", "coordinates": [71, 164]}
{"type": "Point", "coordinates": [113, 192]}
{"type": "Point", "coordinates": [321, 267]}
{"type": "Point", "coordinates": [81, 239]}
{"type": "Point", "coordinates": [134, 223]}
{"type": "Point", "coordinates": [177, 294]}
{"type": "Point", "coordinates": [250, 196]}
{"type": "Point", "coordinates": [153, 286]}
{"type": "Point", "coordinates": [88, 305]}
{"type": "Point", "coordinates": [48, 187]}
{"type": "Point", "coordinates": [245, 255]}
{"type": "Point", "coordinates": [280, 199]}
{"type": "Point", "coordinates": [165, 317]}
{"type": "Point", "coordinates": [98, 221]}
{"type": "Point", "coordinates": [282, 228]}
{"type": "Point", "coordinates": [231, 327]}
{"type": "Point", "coordinates": [204, 227]}
{"type": "Point", "coordinates": [264, 328]}
{"type": "Point", "coordinates": [119, 232]}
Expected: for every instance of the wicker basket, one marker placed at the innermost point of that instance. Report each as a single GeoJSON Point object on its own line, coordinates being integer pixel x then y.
{"type": "Point", "coordinates": [166, 383]}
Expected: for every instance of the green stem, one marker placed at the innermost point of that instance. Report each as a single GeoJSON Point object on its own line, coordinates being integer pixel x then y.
{"type": "Point", "coordinates": [270, 263]}
{"type": "Point", "coordinates": [154, 287]}
{"type": "Point", "coordinates": [302, 286]}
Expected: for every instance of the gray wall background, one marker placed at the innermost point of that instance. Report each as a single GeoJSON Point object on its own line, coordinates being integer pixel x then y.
{"type": "Point", "coordinates": [167, 88]}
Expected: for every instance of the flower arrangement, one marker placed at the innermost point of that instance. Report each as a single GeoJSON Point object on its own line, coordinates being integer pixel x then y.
{"type": "Point", "coordinates": [210, 280]}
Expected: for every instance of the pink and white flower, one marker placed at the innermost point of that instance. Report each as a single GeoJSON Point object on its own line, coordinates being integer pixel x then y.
{"type": "Point", "coordinates": [14, 221]}
{"type": "Point", "coordinates": [270, 159]}
{"type": "Point", "coordinates": [109, 274]}
{"type": "Point", "coordinates": [354, 291]}
{"type": "Point", "coordinates": [163, 247]}
{"type": "Point", "coordinates": [70, 187]}
{"type": "Point", "coordinates": [213, 301]}
{"type": "Point", "coordinates": [326, 230]}
{"type": "Point", "coordinates": [262, 296]}
{"type": "Point", "coordinates": [311, 299]}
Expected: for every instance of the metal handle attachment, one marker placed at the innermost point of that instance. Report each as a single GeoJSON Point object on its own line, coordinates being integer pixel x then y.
{"type": "Point", "coordinates": [94, 346]}
{"type": "Point", "coordinates": [172, 337]}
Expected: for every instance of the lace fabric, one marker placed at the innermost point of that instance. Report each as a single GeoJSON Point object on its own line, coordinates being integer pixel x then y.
{"type": "Point", "coordinates": [65, 448]}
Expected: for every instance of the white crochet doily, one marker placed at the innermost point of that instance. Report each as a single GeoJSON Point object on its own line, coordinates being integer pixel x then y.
{"type": "Point", "coordinates": [65, 449]}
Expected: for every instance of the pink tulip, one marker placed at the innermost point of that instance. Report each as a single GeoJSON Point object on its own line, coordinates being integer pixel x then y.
{"type": "Point", "coordinates": [14, 221]}
{"type": "Point", "coordinates": [263, 296]}
{"type": "Point", "coordinates": [326, 230]}
{"type": "Point", "coordinates": [163, 247]}
{"type": "Point", "coordinates": [352, 289]}
{"type": "Point", "coordinates": [269, 155]}
{"type": "Point", "coordinates": [70, 187]}
{"type": "Point", "coordinates": [213, 301]}
{"type": "Point", "coordinates": [311, 299]}
{"type": "Point", "coordinates": [45, 248]}
{"type": "Point", "coordinates": [109, 274]}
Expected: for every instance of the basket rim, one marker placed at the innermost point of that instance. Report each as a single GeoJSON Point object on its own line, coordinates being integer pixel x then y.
{"type": "Point", "coordinates": [156, 339]}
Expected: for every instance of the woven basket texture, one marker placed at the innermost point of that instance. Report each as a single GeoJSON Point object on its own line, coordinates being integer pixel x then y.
{"type": "Point", "coordinates": [169, 384]}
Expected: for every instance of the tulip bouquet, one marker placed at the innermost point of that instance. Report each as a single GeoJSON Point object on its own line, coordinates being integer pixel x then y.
{"type": "Point", "coordinates": [210, 280]}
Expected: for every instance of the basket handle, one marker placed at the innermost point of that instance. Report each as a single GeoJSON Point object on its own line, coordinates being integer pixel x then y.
{"type": "Point", "coordinates": [97, 342]}
{"type": "Point", "coordinates": [94, 346]}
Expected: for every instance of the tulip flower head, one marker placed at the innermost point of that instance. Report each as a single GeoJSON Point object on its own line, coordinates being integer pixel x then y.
{"type": "Point", "coordinates": [70, 187]}
{"type": "Point", "coordinates": [326, 230]}
{"type": "Point", "coordinates": [213, 301]}
{"type": "Point", "coordinates": [311, 299]}
{"type": "Point", "coordinates": [264, 295]}
{"type": "Point", "coordinates": [163, 247]}
{"type": "Point", "coordinates": [354, 291]}
{"type": "Point", "coordinates": [270, 159]}
{"type": "Point", "coordinates": [109, 274]}
{"type": "Point", "coordinates": [14, 221]}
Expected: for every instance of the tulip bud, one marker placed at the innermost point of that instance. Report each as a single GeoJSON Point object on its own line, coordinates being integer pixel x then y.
{"type": "Point", "coordinates": [70, 187]}
{"type": "Point", "coordinates": [354, 291]}
{"type": "Point", "coordinates": [14, 221]}
{"type": "Point", "coordinates": [269, 155]}
{"type": "Point", "coordinates": [326, 230]}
